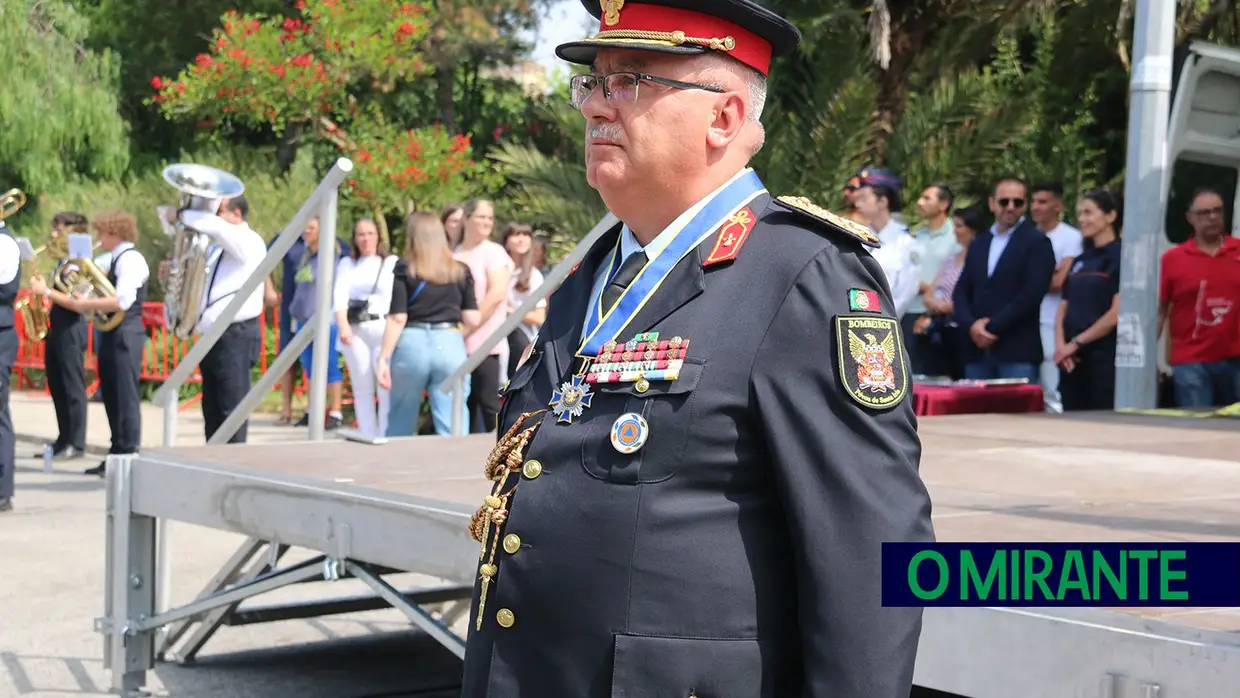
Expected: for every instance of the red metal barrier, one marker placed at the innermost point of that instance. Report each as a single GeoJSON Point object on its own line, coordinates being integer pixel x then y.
{"type": "Point", "coordinates": [162, 352]}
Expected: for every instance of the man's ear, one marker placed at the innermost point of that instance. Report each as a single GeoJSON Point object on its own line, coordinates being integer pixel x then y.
{"type": "Point", "coordinates": [728, 120]}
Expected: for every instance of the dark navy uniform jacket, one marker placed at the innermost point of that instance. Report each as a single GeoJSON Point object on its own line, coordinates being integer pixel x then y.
{"type": "Point", "coordinates": [1090, 291]}
{"type": "Point", "coordinates": [737, 553]}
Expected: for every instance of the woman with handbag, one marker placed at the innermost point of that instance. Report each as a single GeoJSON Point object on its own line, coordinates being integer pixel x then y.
{"type": "Point", "coordinates": [361, 298]}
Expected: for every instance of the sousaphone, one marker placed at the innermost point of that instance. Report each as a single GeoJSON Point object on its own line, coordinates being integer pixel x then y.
{"type": "Point", "coordinates": [202, 189]}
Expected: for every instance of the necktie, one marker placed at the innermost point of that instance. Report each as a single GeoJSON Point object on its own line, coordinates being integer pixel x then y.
{"type": "Point", "coordinates": [624, 276]}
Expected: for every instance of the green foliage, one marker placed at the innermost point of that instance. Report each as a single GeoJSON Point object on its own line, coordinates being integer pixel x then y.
{"type": "Point", "coordinates": [1054, 143]}
{"type": "Point", "coordinates": [549, 189]}
{"type": "Point", "coordinates": [157, 37]}
{"type": "Point", "coordinates": [267, 71]}
{"type": "Point", "coordinates": [58, 104]}
{"type": "Point", "coordinates": [307, 73]}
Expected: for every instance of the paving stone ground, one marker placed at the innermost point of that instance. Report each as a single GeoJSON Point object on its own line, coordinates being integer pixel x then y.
{"type": "Point", "coordinates": [51, 590]}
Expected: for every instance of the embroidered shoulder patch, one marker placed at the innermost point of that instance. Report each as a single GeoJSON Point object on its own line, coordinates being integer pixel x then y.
{"type": "Point", "coordinates": [871, 360]}
{"type": "Point", "coordinates": [833, 221]}
{"type": "Point", "coordinates": [864, 300]}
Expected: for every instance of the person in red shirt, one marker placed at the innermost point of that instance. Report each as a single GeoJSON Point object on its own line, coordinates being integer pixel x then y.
{"type": "Point", "coordinates": [1199, 298]}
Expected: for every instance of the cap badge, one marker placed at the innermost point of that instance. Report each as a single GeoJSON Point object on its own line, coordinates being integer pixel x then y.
{"type": "Point", "coordinates": [611, 11]}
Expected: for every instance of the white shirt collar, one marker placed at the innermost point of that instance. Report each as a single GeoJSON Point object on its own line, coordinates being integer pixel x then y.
{"type": "Point", "coordinates": [629, 243]}
{"type": "Point", "coordinates": [994, 228]}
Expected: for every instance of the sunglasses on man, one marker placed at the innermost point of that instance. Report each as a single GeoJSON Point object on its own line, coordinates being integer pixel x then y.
{"type": "Point", "coordinates": [1012, 203]}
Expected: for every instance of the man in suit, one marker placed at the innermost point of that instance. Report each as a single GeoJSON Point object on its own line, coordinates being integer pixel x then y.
{"type": "Point", "coordinates": [712, 435]}
{"type": "Point", "coordinates": [1007, 272]}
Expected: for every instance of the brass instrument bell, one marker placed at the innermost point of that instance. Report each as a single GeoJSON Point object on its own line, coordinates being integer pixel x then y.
{"type": "Point", "coordinates": [11, 202]}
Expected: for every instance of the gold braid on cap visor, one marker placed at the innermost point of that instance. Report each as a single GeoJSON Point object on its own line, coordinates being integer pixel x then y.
{"type": "Point", "coordinates": [676, 38]}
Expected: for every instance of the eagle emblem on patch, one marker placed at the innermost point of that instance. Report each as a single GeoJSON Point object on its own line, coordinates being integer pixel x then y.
{"type": "Point", "coordinates": [840, 223]}
{"type": "Point", "coordinates": [871, 360]}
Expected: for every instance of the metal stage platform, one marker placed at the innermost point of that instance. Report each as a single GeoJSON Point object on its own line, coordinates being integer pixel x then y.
{"type": "Point", "coordinates": [370, 511]}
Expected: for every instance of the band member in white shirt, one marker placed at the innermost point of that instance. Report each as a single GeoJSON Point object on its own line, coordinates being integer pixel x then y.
{"type": "Point", "coordinates": [10, 283]}
{"type": "Point", "coordinates": [63, 357]}
{"type": "Point", "coordinates": [362, 297]}
{"type": "Point", "coordinates": [227, 370]}
{"type": "Point", "coordinates": [120, 348]}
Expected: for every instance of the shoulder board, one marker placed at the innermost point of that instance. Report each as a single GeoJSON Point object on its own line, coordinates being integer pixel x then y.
{"type": "Point", "coordinates": [732, 235]}
{"type": "Point", "coordinates": [831, 221]}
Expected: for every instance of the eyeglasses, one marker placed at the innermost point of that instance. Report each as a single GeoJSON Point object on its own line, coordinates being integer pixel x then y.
{"type": "Point", "coordinates": [1206, 212]}
{"type": "Point", "coordinates": [1014, 203]}
{"type": "Point", "coordinates": [622, 87]}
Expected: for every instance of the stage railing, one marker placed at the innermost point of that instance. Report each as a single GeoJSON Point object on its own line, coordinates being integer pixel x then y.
{"type": "Point", "coordinates": [455, 383]}
{"type": "Point", "coordinates": [322, 202]}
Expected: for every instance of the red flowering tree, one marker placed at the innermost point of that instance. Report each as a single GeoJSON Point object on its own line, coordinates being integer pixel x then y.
{"type": "Point", "coordinates": [305, 71]}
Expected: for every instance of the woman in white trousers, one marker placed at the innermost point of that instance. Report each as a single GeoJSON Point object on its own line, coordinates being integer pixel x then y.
{"type": "Point", "coordinates": [362, 297]}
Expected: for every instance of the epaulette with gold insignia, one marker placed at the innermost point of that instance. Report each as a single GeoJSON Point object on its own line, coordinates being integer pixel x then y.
{"type": "Point", "coordinates": [834, 221]}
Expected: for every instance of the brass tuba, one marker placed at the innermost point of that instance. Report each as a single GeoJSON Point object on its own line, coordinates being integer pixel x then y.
{"type": "Point", "coordinates": [202, 188]}
{"type": "Point", "coordinates": [82, 278]}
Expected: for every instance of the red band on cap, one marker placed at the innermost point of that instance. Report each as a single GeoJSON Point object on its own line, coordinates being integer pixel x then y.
{"type": "Point", "coordinates": [750, 49]}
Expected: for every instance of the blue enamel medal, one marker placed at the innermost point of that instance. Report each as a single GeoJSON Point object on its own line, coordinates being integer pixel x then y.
{"type": "Point", "coordinates": [571, 399]}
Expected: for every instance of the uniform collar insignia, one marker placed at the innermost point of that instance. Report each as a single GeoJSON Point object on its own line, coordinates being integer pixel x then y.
{"type": "Point", "coordinates": [732, 235]}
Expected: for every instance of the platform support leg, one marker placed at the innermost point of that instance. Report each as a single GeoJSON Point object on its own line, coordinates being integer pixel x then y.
{"type": "Point", "coordinates": [131, 583]}
{"type": "Point", "coordinates": [228, 574]}
{"type": "Point", "coordinates": [214, 619]}
{"type": "Point", "coordinates": [415, 613]}
{"type": "Point", "coordinates": [453, 611]}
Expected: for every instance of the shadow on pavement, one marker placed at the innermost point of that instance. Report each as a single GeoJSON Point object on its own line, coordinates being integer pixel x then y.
{"type": "Point", "coordinates": [386, 665]}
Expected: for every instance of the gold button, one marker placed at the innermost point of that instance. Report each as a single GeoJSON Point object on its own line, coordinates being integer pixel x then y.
{"type": "Point", "coordinates": [512, 543]}
{"type": "Point", "coordinates": [505, 618]}
{"type": "Point", "coordinates": [642, 385]}
{"type": "Point", "coordinates": [532, 469]}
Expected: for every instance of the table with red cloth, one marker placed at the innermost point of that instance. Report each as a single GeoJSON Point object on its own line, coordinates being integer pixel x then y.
{"type": "Point", "coordinates": [930, 399]}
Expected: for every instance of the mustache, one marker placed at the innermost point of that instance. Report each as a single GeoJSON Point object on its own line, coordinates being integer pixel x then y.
{"type": "Point", "coordinates": [606, 132]}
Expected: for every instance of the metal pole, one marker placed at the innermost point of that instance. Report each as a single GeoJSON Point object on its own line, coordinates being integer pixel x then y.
{"type": "Point", "coordinates": [277, 369]}
{"type": "Point", "coordinates": [1136, 379]}
{"type": "Point", "coordinates": [459, 425]}
{"type": "Point", "coordinates": [323, 309]}
{"type": "Point", "coordinates": [516, 317]}
{"type": "Point", "coordinates": [163, 527]}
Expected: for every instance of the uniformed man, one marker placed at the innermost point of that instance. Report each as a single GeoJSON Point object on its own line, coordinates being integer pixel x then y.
{"type": "Point", "coordinates": [227, 370]}
{"type": "Point", "coordinates": [64, 358]}
{"type": "Point", "coordinates": [10, 283]}
{"type": "Point", "coordinates": [712, 435]}
{"type": "Point", "coordinates": [120, 348]}
{"type": "Point", "coordinates": [879, 201]}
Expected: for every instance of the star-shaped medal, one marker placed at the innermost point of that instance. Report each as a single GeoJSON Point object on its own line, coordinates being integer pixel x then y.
{"type": "Point", "coordinates": [571, 399]}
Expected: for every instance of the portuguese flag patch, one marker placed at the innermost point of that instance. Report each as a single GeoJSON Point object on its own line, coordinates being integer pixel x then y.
{"type": "Point", "coordinates": [863, 299]}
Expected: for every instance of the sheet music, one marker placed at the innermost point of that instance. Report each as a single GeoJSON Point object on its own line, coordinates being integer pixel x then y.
{"type": "Point", "coordinates": [27, 250]}
{"type": "Point", "coordinates": [80, 245]}
{"type": "Point", "coordinates": [162, 212]}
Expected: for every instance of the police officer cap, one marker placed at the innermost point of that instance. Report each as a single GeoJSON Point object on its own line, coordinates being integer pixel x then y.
{"type": "Point", "coordinates": [878, 177]}
{"type": "Point", "coordinates": [741, 29]}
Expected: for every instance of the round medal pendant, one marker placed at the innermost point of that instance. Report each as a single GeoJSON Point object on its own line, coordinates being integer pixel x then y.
{"type": "Point", "coordinates": [629, 432]}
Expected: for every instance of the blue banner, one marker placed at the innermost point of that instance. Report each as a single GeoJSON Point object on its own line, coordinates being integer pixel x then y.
{"type": "Point", "coordinates": [1061, 574]}
{"type": "Point", "coordinates": [600, 330]}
